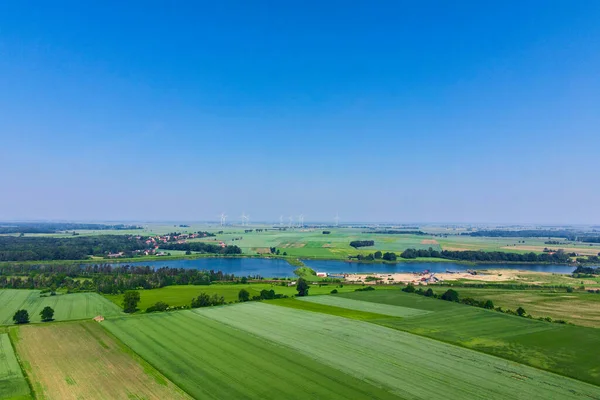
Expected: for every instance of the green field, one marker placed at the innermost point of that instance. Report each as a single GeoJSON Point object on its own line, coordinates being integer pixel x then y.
{"type": "Point", "coordinates": [12, 382]}
{"type": "Point", "coordinates": [211, 360]}
{"type": "Point", "coordinates": [182, 295]}
{"type": "Point", "coordinates": [564, 349]}
{"type": "Point", "coordinates": [66, 306]}
{"type": "Point", "coordinates": [80, 360]}
{"type": "Point", "coordinates": [367, 306]}
{"type": "Point", "coordinates": [580, 308]}
{"type": "Point", "coordinates": [407, 365]}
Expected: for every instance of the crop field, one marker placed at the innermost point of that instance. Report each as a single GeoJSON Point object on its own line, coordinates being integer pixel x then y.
{"type": "Point", "coordinates": [211, 360]}
{"type": "Point", "coordinates": [378, 308]}
{"type": "Point", "coordinates": [580, 308]}
{"type": "Point", "coordinates": [12, 382]}
{"type": "Point", "coordinates": [409, 366]}
{"type": "Point", "coordinates": [80, 360]}
{"type": "Point", "coordinates": [181, 295]}
{"type": "Point", "coordinates": [564, 349]}
{"type": "Point", "coordinates": [66, 306]}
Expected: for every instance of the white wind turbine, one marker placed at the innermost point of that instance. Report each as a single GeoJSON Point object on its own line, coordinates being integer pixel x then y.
{"type": "Point", "coordinates": [301, 220]}
{"type": "Point", "coordinates": [223, 217]}
{"type": "Point", "coordinates": [337, 219]}
{"type": "Point", "coordinates": [281, 220]}
{"type": "Point", "coordinates": [291, 220]}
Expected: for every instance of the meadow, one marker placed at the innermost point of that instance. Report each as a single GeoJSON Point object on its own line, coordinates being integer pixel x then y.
{"type": "Point", "coordinates": [211, 360]}
{"type": "Point", "coordinates": [580, 308]}
{"type": "Point", "coordinates": [407, 365]}
{"type": "Point", "coordinates": [12, 382]}
{"type": "Point", "coordinates": [66, 306]}
{"type": "Point", "coordinates": [181, 295]}
{"type": "Point", "coordinates": [80, 360]}
{"type": "Point", "coordinates": [563, 349]}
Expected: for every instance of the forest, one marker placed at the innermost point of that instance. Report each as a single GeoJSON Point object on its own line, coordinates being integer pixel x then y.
{"type": "Point", "coordinates": [74, 248]}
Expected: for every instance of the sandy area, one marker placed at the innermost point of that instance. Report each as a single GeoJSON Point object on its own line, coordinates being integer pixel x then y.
{"type": "Point", "coordinates": [422, 278]}
{"type": "Point", "coordinates": [429, 241]}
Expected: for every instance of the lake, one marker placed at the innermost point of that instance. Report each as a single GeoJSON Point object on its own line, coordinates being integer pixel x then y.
{"type": "Point", "coordinates": [281, 268]}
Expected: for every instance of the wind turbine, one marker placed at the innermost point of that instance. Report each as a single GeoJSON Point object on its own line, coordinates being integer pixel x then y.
{"type": "Point", "coordinates": [244, 218]}
{"type": "Point", "coordinates": [291, 220]}
{"type": "Point", "coordinates": [337, 219]}
{"type": "Point", "coordinates": [281, 220]}
{"type": "Point", "coordinates": [301, 220]}
{"type": "Point", "coordinates": [223, 217]}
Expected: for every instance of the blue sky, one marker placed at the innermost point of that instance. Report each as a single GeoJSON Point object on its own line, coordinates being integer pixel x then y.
{"type": "Point", "coordinates": [463, 111]}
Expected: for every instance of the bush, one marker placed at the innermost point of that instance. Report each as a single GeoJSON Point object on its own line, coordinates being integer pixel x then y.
{"type": "Point", "coordinates": [450, 295]}
{"type": "Point", "coordinates": [365, 289]}
{"type": "Point", "coordinates": [410, 288]}
{"type": "Point", "coordinates": [334, 291]}
{"type": "Point", "coordinates": [158, 306]}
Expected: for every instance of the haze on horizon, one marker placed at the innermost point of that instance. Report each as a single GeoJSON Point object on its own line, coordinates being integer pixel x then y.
{"type": "Point", "coordinates": [404, 112]}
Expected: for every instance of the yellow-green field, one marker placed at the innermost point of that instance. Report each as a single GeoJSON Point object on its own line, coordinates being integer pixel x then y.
{"type": "Point", "coordinates": [79, 360]}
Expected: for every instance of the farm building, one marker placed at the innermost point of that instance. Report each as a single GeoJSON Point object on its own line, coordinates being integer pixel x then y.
{"type": "Point", "coordinates": [322, 274]}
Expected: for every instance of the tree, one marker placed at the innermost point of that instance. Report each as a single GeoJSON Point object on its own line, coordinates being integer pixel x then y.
{"type": "Point", "coordinates": [489, 305]}
{"type": "Point", "coordinates": [302, 287]}
{"type": "Point", "coordinates": [389, 256]}
{"type": "Point", "coordinates": [377, 255]}
{"type": "Point", "coordinates": [131, 300]}
{"type": "Point", "coordinates": [450, 295]}
{"type": "Point", "coordinates": [21, 317]}
{"type": "Point", "coordinates": [203, 300]}
{"type": "Point", "coordinates": [429, 293]}
{"type": "Point", "coordinates": [410, 288]}
{"type": "Point", "coordinates": [47, 314]}
{"type": "Point", "coordinates": [243, 295]}
{"type": "Point", "coordinates": [521, 311]}
{"type": "Point", "coordinates": [244, 280]}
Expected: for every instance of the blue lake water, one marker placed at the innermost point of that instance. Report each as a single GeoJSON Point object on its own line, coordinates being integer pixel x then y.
{"type": "Point", "coordinates": [280, 268]}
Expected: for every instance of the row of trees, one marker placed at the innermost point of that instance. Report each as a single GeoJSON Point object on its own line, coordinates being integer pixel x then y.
{"type": "Point", "coordinates": [104, 278]}
{"type": "Point", "coordinates": [205, 248]}
{"type": "Point", "coordinates": [378, 255]}
{"type": "Point", "coordinates": [22, 316]}
{"type": "Point", "coordinates": [559, 256]}
{"type": "Point", "coordinates": [362, 243]}
{"type": "Point", "coordinates": [77, 248]}
{"type": "Point", "coordinates": [453, 296]}
{"type": "Point", "coordinates": [54, 227]}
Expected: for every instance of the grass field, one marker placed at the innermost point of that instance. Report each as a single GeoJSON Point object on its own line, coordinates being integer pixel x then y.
{"type": "Point", "coordinates": [211, 360]}
{"type": "Point", "coordinates": [12, 382]}
{"type": "Point", "coordinates": [367, 306]}
{"type": "Point", "coordinates": [182, 295]}
{"type": "Point", "coordinates": [66, 306]}
{"type": "Point", "coordinates": [564, 349]}
{"type": "Point", "coordinates": [80, 360]}
{"type": "Point", "coordinates": [580, 308]}
{"type": "Point", "coordinates": [407, 365]}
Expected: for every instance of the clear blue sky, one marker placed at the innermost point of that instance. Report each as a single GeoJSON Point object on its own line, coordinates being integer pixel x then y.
{"type": "Point", "coordinates": [465, 111]}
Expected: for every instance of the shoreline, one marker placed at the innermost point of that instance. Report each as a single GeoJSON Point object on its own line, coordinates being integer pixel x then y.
{"type": "Point", "coordinates": [293, 261]}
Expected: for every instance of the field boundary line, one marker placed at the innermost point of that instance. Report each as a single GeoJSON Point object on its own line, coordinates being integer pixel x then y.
{"type": "Point", "coordinates": [143, 362]}
{"type": "Point", "coordinates": [13, 336]}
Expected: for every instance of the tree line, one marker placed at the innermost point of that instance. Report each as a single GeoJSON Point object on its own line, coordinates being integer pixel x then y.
{"type": "Point", "coordinates": [205, 248]}
{"type": "Point", "coordinates": [75, 248]}
{"type": "Point", "coordinates": [559, 257]}
{"type": "Point", "coordinates": [104, 278]}
{"type": "Point", "coordinates": [453, 296]}
{"type": "Point", "coordinates": [362, 243]}
{"type": "Point", "coordinates": [397, 232]}
{"type": "Point", "coordinates": [55, 227]}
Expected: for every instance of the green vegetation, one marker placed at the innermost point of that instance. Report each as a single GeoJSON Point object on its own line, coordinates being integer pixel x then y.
{"type": "Point", "coordinates": [563, 349]}
{"type": "Point", "coordinates": [208, 359]}
{"type": "Point", "coordinates": [12, 382]}
{"type": "Point", "coordinates": [82, 361]}
{"type": "Point", "coordinates": [47, 314]}
{"type": "Point", "coordinates": [383, 309]}
{"type": "Point", "coordinates": [577, 307]}
{"type": "Point", "coordinates": [407, 365]}
{"type": "Point", "coordinates": [131, 298]}
{"type": "Point", "coordinates": [21, 317]}
{"type": "Point", "coordinates": [66, 306]}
